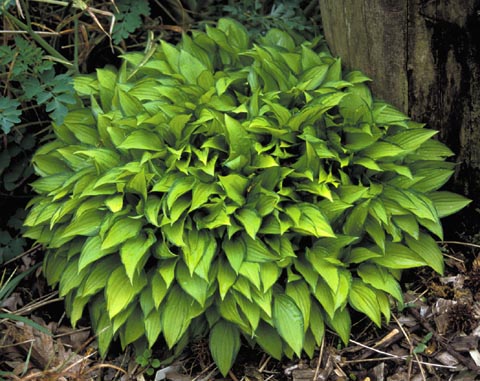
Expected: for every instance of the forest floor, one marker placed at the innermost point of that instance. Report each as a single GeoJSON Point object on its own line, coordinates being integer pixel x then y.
{"type": "Point", "coordinates": [433, 337]}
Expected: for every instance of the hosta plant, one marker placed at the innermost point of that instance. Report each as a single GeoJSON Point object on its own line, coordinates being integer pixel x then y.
{"type": "Point", "coordinates": [235, 188]}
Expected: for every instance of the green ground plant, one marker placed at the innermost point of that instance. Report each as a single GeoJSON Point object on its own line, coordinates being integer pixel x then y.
{"type": "Point", "coordinates": [236, 189]}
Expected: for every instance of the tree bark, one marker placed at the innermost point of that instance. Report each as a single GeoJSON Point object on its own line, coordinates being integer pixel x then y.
{"type": "Point", "coordinates": [423, 57]}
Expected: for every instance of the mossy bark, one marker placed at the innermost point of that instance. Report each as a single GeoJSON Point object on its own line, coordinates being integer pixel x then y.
{"type": "Point", "coordinates": [423, 57]}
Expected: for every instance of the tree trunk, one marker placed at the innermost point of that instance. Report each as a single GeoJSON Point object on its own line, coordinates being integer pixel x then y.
{"type": "Point", "coordinates": [424, 58]}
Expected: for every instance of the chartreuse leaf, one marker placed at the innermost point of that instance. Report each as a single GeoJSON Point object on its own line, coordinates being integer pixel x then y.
{"type": "Point", "coordinates": [288, 320]}
{"type": "Point", "coordinates": [192, 284]}
{"type": "Point", "coordinates": [224, 345]}
{"type": "Point", "coordinates": [121, 230]}
{"type": "Point", "coordinates": [120, 291]}
{"type": "Point", "coordinates": [325, 296]}
{"type": "Point", "coordinates": [257, 251]}
{"type": "Point", "coordinates": [250, 220]}
{"type": "Point", "coordinates": [114, 203]}
{"type": "Point", "coordinates": [152, 209]}
{"type": "Point", "coordinates": [142, 140]}
{"type": "Point", "coordinates": [235, 187]}
{"type": "Point", "coordinates": [134, 252]}
{"type": "Point", "coordinates": [354, 225]}
{"type": "Point", "coordinates": [411, 139]}
{"type": "Point", "coordinates": [398, 256]}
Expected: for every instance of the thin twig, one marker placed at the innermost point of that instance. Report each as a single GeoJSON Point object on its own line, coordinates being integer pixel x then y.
{"type": "Point", "coordinates": [395, 357]}
{"type": "Point", "coordinates": [320, 356]}
{"type": "Point", "coordinates": [412, 350]}
{"type": "Point", "coordinates": [8, 31]}
{"type": "Point", "coordinates": [460, 243]}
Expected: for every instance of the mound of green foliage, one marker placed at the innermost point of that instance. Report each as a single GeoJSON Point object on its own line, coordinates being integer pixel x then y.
{"type": "Point", "coordinates": [238, 189]}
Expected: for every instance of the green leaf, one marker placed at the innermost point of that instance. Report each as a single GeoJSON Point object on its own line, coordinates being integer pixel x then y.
{"type": "Point", "coordinates": [153, 327]}
{"type": "Point", "coordinates": [198, 243]}
{"type": "Point", "coordinates": [317, 326]}
{"type": "Point", "coordinates": [398, 256]}
{"type": "Point", "coordinates": [226, 277]}
{"type": "Point", "coordinates": [91, 252]}
{"type": "Point", "coordinates": [448, 203]}
{"type": "Point", "coordinates": [224, 345]}
{"type": "Point", "coordinates": [129, 105]}
{"type": "Point", "coordinates": [411, 139]}
{"type": "Point", "coordinates": [71, 278]}
{"type": "Point", "coordinates": [408, 224]}
{"type": "Point", "coordinates": [152, 209]}
{"type": "Point", "coordinates": [325, 268]}
{"type": "Point", "coordinates": [159, 289]}
{"type": "Point", "coordinates": [190, 67]}
{"type": "Point", "coordinates": [235, 250]}
{"type": "Point", "coordinates": [201, 193]}
{"type": "Point", "coordinates": [325, 296]}
{"type": "Point", "coordinates": [376, 231]}
{"type": "Point", "coordinates": [133, 329]}
{"type": "Point", "coordinates": [235, 187]}
{"type": "Point", "coordinates": [381, 279]}
{"type": "Point", "coordinates": [289, 320]}
{"type": "Point", "coordinates": [176, 316]}
{"type": "Point", "coordinates": [342, 324]}
{"type": "Point", "coordinates": [122, 230]}
{"type": "Point", "coordinates": [363, 299]}
{"type": "Point", "coordinates": [300, 293]}
{"type": "Point", "coordinates": [354, 225]}
{"type": "Point", "coordinates": [269, 274]}
{"type": "Point", "coordinates": [309, 219]}
{"type": "Point", "coordinates": [257, 251]}
{"type": "Point", "coordinates": [237, 33]}
{"type": "Point", "coordinates": [269, 339]}
{"type": "Point", "coordinates": [179, 188]}
{"type": "Point", "coordinates": [250, 309]}
{"type": "Point", "coordinates": [98, 277]}
{"type": "Point", "coordinates": [87, 224]}
{"type": "Point", "coordinates": [426, 248]}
